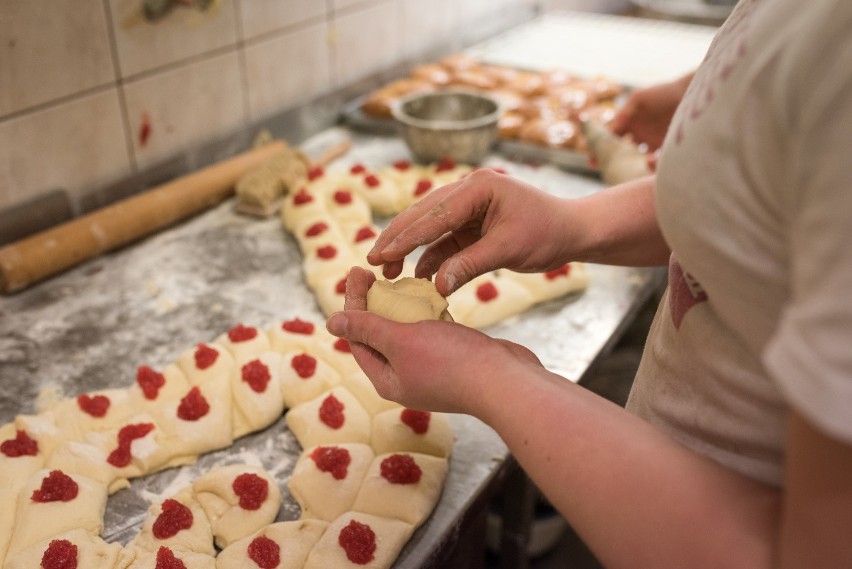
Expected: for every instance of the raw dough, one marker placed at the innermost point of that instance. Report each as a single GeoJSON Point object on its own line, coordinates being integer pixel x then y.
{"type": "Point", "coordinates": [572, 277]}
{"type": "Point", "coordinates": [241, 346]}
{"type": "Point", "coordinates": [391, 434]}
{"type": "Point", "coordinates": [390, 537]}
{"type": "Point", "coordinates": [305, 376]}
{"type": "Point", "coordinates": [197, 538]}
{"type": "Point", "coordinates": [190, 559]}
{"type": "Point", "coordinates": [407, 300]}
{"type": "Point", "coordinates": [254, 410]}
{"type": "Point", "coordinates": [304, 340]}
{"type": "Point", "coordinates": [296, 540]}
{"type": "Point", "coordinates": [304, 420]}
{"type": "Point", "coordinates": [188, 363]}
{"type": "Point", "coordinates": [92, 551]}
{"type": "Point", "coordinates": [175, 385]}
{"type": "Point", "coordinates": [360, 385]}
{"type": "Point", "coordinates": [472, 306]}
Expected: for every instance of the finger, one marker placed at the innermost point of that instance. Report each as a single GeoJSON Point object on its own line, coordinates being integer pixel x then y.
{"type": "Point", "coordinates": [358, 282]}
{"type": "Point", "coordinates": [441, 250]}
{"type": "Point", "coordinates": [465, 266]}
{"type": "Point", "coordinates": [366, 328]}
{"type": "Point", "coordinates": [621, 122]}
{"type": "Point", "coordinates": [392, 269]}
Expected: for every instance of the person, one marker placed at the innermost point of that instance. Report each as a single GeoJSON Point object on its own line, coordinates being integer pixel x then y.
{"type": "Point", "coordinates": [735, 449]}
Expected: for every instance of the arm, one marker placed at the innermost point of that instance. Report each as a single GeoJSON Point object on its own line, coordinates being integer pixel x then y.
{"type": "Point", "coordinates": [648, 112]}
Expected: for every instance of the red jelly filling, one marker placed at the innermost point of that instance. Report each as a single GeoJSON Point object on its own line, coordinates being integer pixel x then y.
{"type": "Point", "coordinates": [240, 333]}
{"type": "Point", "coordinates": [205, 356]}
{"type": "Point", "coordinates": [60, 554]}
{"type": "Point", "coordinates": [251, 489]}
{"type": "Point", "coordinates": [342, 197]}
{"type": "Point", "coordinates": [317, 228]}
{"type": "Point", "coordinates": [327, 252]}
{"type": "Point", "coordinates": [334, 460]}
{"type": "Point", "coordinates": [372, 181]}
{"type": "Point", "coordinates": [167, 560]}
{"type": "Point", "coordinates": [304, 365]}
{"type": "Point", "coordinates": [302, 197]}
{"type": "Point", "coordinates": [174, 517]}
{"type": "Point", "coordinates": [297, 326]}
{"type": "Point", "coordinates": [56, 487]}
{"type": "Point", "coordinates": [358, 541]}
{"type": "Point", "coordinates": [193, 406]}
{"type": "Point", "coordinates": [342, 345]}
{"type": "Point", "coordinates": [150, 381]}
{"type": "Point", "coordinates": [331, 412]}
{"type": "Point", "coordinates": [402, 165]}
{"type": "Point", "coordinates": [96, 406]}
{"type": "Point", "coordinates": [357, 169]}
{"type": "Point", "coordinates": [422, 187]}
{"type": "Point", "coordinates": [315, 172]}
{"type": "Point", "coordinates": [364, 233]}
{"type": "Point", "coordinates": [121, 456]}
{"type": "Point", "coordinates": [256, 374]}
{"type": "Point", "coordinates": [264, 552]}
{"type": "Point", "coordinates": [486, 292]}
{"type": "Point", "coordinates": [340, 287]}
{"type": "Point", "coordinates": [417, 420]}
{"type": "Point", "coordinates": [21, 445]}
{"type": "Point", "coordinates": [400, 469]}
{"type": "Point", "coordinates": [562, 271]}
{"type": "Point", "coordinates": [445, 164]}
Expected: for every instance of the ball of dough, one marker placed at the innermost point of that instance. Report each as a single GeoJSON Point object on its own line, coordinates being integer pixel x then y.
{"type": "Point", "coordinates": [361, 387]}
{"type": "Point", "coordinates": [334, 417]}
{"type": "Point", "coordinates": [304, 376]}
{"type": "Point", "coordinates": [204, 361]}
{"type": "Point", "coordinates": [244, 341]}
{"type": "Point", "coordinates": [292, 541]}
{"type": "Point", "coordinates": [155, 560]}
{"type": "Point", "coordinates": [91, 551]}
{"type": "Point", "coordinates": [571, 277]}
{"type": "Point", "coordinates": [407, 300]}
{"type": "Point", "coordinates": [488, 299]}
{"type": "Point", "coordinates": [376, 542]}
{"type": "Point", "coordinates": [407, 430]}
{"type": "Point", "coordinates": [295, 335]}
{"type": "Point", "coordinates": [178, 523]}
{"type": "Point", "coordinates": [256, 392]}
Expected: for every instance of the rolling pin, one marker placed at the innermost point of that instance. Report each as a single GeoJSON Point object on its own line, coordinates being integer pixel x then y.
{"type": "Point", "coordinates": [39, 256]}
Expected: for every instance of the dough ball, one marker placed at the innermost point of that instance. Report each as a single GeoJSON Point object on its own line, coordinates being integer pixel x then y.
{"type": "Point", "coordinates": [130, 450]}
{"type": "Point", "coordinates": [326, 479]}
{"type": "Point", "coordinates": [406, 430]}
{"type": "Point", "coordinates": [89, 459]}
{"type": "Point", "coordinates": [68, 501]}
{"type": "Point", "coordinates": [238, 500]}
{"type": "Point", "coordinates": [91, 551]}
{"type": "Point", "coordinates": [299, 206]}
{"type": "Point", "coordinates": [317, 230]}
{"type": "Point", "coordinates": [97, 411]}
{"type": "Point", "coordinates": [244, 341]}
{"type": "Point", "coordinates": [21, 456]}
{"type": "Point", "coordinates": [9, 499]}
{"type": "Point", "coordinates": [382, 195]}
{"type": "Point", "coordinates": [330, 290]}
{"type": "Point", "coordinates": [571, 277]}
{"type": "Point", "coordinates": [204, 361]}
{"type": "Point", "coordinates": [304, 376]}
{"type": "Point", "coordinates": [153, 387]}
{"type": "Point", "coordinates": [154, 560]}
{"type": "Point", "coordinates": [178, 523]}
{"type": "Point", "coordinates": [256, 392]}
{"type": "Point", "coordinates": [295, 335]}
{"type": "Point", "coordinates": [488, 299]}
{"type": "Point", "coordinates": [375, 542]}
{"type": "Point", "coordinates": [43, 429]}
{"type": "Point", "coordinates": [337, 353]}
{"type": "Point", "coordinates": [403, 486]}
{"type": "Point", "coordinates": [346, 205]}
{"type": "Point", "coordinates": [361, 387]}
{"type": "Point", "coordinates": [407, 300]}
{"type": "Point", "coordinates": [290, 541]}
{"type": "Point", "coordinates": [334, 417]}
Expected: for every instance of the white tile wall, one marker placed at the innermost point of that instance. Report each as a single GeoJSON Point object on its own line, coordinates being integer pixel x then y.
{"type": "Point", "coordinates": [78, 78]}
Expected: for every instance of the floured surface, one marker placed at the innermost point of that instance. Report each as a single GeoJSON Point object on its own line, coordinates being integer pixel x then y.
{"type": "Point", "coordinates": [92, 327]}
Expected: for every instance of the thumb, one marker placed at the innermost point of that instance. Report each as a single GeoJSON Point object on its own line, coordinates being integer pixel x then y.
{"type": "Point", "coordinates": [466, 265]}
{"type": "Point", "coordinates": [365, 328]}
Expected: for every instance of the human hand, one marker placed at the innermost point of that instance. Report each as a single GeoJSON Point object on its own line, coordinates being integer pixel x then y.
{"type": "Point", "coordinates": [482, 222]}
{"type": "Point", "coordinates": [646, 115]}
{"type": "Point", "coordinates": [430, 365]}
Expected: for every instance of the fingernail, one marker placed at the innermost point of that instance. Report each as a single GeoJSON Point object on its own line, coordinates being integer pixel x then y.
{"type": "Point", "coordinates": [337, 324]}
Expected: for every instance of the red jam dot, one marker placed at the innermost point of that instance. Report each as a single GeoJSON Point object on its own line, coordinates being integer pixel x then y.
{"type": "Point", "coordinates": [193, 406]}
{"type": "Point", "coordinates": [304, 365]}
{"type": "Point", "coordinates": [121, 456]}
{"type": "Point", "coordinates": [417, 420]}
{"type": "Point", "coordinates": [167, 560]}
{"type": "Point", "coordinates": [96, 406]}
{"type": "Point", "coordinates": [251, 489]}
{"type": "Point", "coordinates": [334, 460]}
{"type": "Point", "coordinates": [486, 292]}
{"type": "Point", "coordinates": [302, 197]}
{"type": "Point", "coordinates": [372, 181]}
{"type": "Point", "coordinates": [422, 187]}
{"type": "Point", "coordinates": [364, 233]}
{"type": "Point", "coordinates": [205, 356]}
{"type": "Point", "coordinates": [327, 252]}
{"type": "Point", "coordinates": [402, 165]}
{"type": "Point", "coordinates": [562, 271]}
{"type": "Point", "coordinates": [343, 197]}
{"type": "Point", "coordinates": [357, 169]}
{"type": "Point", "coordinates": [297, 326]}
{"type": "Point", "coordinates": [265, 553]}
{"type": "Point", "coordinates": [60, 554]}
{"type": "Point", "coordinates": [256, 374]}
{"type": "Point", "coordinates": [342, 345]}
{"type": "Point", "coordinates": [315, 172]}
{"type": "Point", "coordinates": [174, 517]}
{"type": "Point", "coordinates": [317, 228]}
{"type": "Point", "coordinates": [150, 381]}
{"type": "Point", "coordinates": [56, 487]}
{"type": "Point", "coordinates": [401, 469]}
{"type": "Point", "coordinates": [340, 287]}
{"type": "Point", "coordinates": [445, 164]}
{"type": "Point", "coordinates": [358, 541]}
{"type": "Point", "coordinates": [331, 412]}
{"type": "Point", "coordinates": [240, 333]}
{"type": "Point", "coordinates": [21, 445]}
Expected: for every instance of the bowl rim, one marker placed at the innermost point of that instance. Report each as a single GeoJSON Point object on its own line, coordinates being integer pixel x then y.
{"type": "Point", "coordinates": [408, 120]}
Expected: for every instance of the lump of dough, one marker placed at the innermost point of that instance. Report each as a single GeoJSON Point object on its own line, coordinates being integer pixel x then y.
{"type": "Point", "coordinates": [404, 486]}
{"type": "Point", "coordinates": [304, 376]}
{"type": "Point", "coordinates": [97, 411]}
{"type": "Point", "coordinates": [291, 541]}
{"type": "Point", "coordinates": [407, 300]}
{"type": "Point", "coordinates": [73, 501]}
{"type": "Point", "coordinates": [361, 387]}
{"type": "Point", "coordinates": [153, 387]}
{"type": "Point", "coordinates": [88, 459]}
{"type": "Point", "coordinates": [406, 430]}
{"type": "Point", "coordinates": [337, 352]}
{"type": "Point", "coordinates": [382, 195]}
{"type": "Point", "coordinates": [178, 523]}
{"type": "Point", "coordinates": [488, 299]}
{"type": "Point", "coordinates": [163, 556]}
{"type": "Point", "coordinates": [244, 341]}
{"type": "Point", "coordinates": [347, 206]}
{"type": "Point", "coordinates": [316, 230]}
{"type": "Point", "coordinates": [336, 416]}
{"type": "Point", "coordinates": [571, 277]}
{"type": "Point", "coordinates": [256, 391]}
{"type": "Point", "coordinates": [238, 499]}
{"type": "Point", "coordinates": [204, 361]}
{"type": "Point", "coordinates": [147, 453]}
{"type": "Point", "coordinates": [326, 479]}
{"type": "Point", "coordinates": [9, 499]}
{"type": "Point", "coordinates": [295, 335]}
{"type": "Point", "coordinates": [44, 430]}
{"type": "Point", "coordinates": [331, 259]}
{"type": "Point", "coordinates": [91, 551]}
{"type": "Point", "coordinates": [300, 206]}
{"type": "Point", "coordinates": [330, 290]}
{"type": "Point", "coordinates": [376, 542]}
{"type": "Point", "coordinates": [21, 455]}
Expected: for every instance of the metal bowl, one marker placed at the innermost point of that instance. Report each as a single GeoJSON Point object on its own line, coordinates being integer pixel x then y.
{"type": "Point", "coordinates": [461, 125]}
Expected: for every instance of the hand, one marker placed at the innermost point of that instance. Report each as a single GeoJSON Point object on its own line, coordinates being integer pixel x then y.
{"type": "Point", "coordinates": [431, 365]}
{"type": "Point", "coordinates": [483, 222]}
{"type": "Point", "coordinates": [646, 115]}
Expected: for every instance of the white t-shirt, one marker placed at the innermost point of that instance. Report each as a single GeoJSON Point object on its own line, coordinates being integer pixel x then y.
{"type": "Point", "coordinates": [754, 196]}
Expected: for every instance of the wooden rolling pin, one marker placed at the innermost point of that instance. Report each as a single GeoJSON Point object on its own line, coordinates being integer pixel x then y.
{"type": "Point", "coordinates": [39, 256]}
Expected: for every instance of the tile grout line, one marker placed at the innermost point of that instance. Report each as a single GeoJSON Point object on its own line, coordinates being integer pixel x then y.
{"type": "Point", "coordinates": [119, 85]}
{"type": "Point", "coordinates": [242, 62]}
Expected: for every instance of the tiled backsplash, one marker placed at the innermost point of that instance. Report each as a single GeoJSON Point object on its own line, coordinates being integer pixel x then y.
{"type": "Point", "coordinates": [92, 93]}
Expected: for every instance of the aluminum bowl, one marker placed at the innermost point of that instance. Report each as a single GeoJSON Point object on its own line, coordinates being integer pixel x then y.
{"type": "Point", "coordinates": [461, 125]}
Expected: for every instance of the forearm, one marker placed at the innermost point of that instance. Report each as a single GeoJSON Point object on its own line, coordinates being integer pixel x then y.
{"type": "Point", "coordinates": [617, 226]}
{"type": "Point", "coordinates": [638, 498]}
